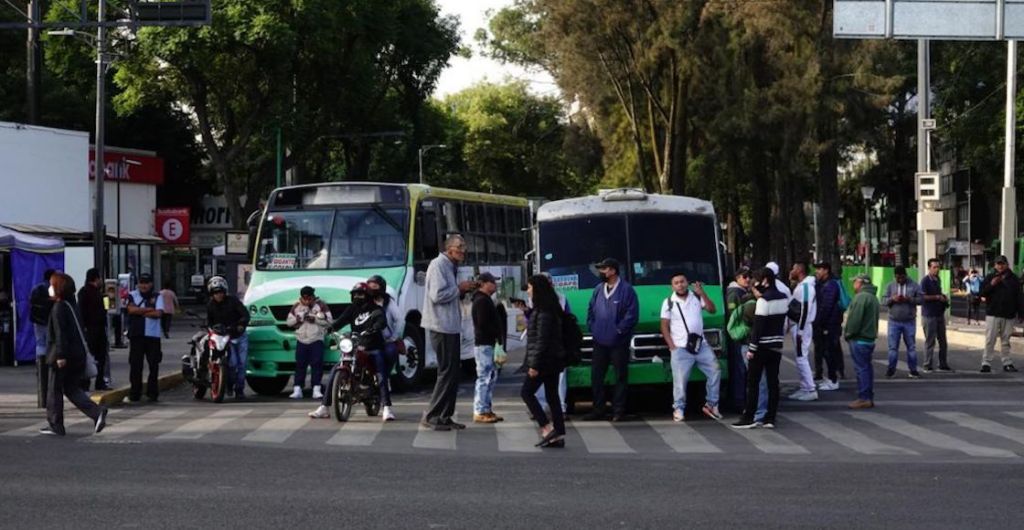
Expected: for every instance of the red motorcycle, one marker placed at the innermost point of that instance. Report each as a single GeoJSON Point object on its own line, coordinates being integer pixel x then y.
{"type": "Point", "coordinates": [356, 381]}
{"type": "Point", "coordinates": [207, 365]}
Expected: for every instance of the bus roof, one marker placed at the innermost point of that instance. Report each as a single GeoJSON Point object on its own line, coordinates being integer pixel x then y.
{"type": "Point", "coordinates": [622, 201]}
{"type": "Point", "coordinates": [422, 191]}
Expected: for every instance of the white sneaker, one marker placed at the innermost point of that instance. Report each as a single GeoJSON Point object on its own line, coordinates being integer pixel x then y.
{"type": "Point", "coordinates": [806, 395]}
{"type": "Point", "coordinates": [677, 416]}
{"type": "Point", "coordinates": [827, 385]}
{"type": "Point", "coordinates": [387, 415]}
{"type": "Point", "coordinates": [297, 393]}
{"type": "Point", "coordinates": [317, 392]}
{"type": "Point", "coordinates": [320, 412]}
{"type": "Point", "coordinates": [796, 395]}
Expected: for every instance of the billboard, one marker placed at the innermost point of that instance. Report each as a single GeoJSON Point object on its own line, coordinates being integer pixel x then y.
{"type": "Point", "coordinates": [929, 19]}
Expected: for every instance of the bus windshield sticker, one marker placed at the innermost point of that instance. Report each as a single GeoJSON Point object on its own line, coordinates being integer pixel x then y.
{"type": "Point", "coordinates": [567, 282]}
{"type": "Point", "coordinates": [282, 261]}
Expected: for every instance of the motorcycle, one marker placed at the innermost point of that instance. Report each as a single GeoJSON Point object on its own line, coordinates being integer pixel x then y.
{"type": "Point", "coordinates": [356, 381]}
{"type": "Point", "coordinates": [206, 365]}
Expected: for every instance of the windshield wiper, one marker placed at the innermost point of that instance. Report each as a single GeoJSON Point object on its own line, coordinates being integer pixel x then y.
{"type": "Point", "coordinates": [387, 217]}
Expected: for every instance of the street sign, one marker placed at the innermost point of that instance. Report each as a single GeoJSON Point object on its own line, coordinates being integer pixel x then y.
{"type": "Point", "coordinates": [929, 19]}
{"type": "Point", "coordinates": [169, 11]}
{"type": "Point", "coordinates": [172, 225]}
{"type": "Point", "coordinates": [928, 124]}
{"type": "Point", "coordinates": [927, 188]}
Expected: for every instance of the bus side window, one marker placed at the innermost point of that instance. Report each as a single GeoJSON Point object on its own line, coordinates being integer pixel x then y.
{"type": "Point", "coordinates": [427, 245]}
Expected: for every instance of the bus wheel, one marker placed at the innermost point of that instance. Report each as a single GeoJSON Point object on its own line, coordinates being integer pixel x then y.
{"type": "Point", "coordinates": [268, 386]}
{"type": "Point", "coordinates": [409, 371]}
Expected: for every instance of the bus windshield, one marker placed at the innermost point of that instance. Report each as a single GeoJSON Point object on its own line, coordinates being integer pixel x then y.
{"type": "Point", "coordinates": [357, 237]}
{"type": "Point", "coordinates": [651, 247]}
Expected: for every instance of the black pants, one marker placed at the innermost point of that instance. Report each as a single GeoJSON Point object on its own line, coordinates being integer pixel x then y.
{"type": "Point", "coordinates": [764, 361]}
{"type": "Point", "coordinates": [144, 349]}
{"type": "Point", "coordinates": [99, 348]}
{"type": "Point", "coordinates": [66, 383]}
{"type": "Point", "coordinates": [448, 347]}
{"type": "Point", "coordinates": [827, 350]}
{"type": "Point", "coordinates": [618, 357]}
{"type": "Point", "coordinates": [165, 324]}
{"type": "Point", "coordinates": [529, 395]}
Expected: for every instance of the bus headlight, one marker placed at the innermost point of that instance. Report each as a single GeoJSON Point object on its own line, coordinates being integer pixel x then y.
{"type": "Point", "coordinates": [252, 309]}
{"type": "Point", "coordinates": [714, 338]}
{"type": "Point", "coordinates": [264, 310]}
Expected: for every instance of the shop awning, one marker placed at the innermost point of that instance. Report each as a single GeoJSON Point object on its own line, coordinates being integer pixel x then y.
{"type": "Point", "coordinates": [14, 239]}
{"type": "Point", "coordinates": [72, 235]}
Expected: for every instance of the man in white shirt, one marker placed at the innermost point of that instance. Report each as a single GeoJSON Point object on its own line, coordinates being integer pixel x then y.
{"type": "Point", "coordinates": [682, 326]}
{"type": "Point", "coordinates": [803, 332]}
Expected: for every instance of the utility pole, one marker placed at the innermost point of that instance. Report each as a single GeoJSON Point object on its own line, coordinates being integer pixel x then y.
{"type": "Point", "coordinates": [424, 150]}
{"type": "Point", "coordinates": [98, 227]}
{"type": "Point", "coordinates": [925, 239]}
{"type": "Point", "coordinates": [1008, 221]}
{"type": "Point", "coordinates": [34, 62]}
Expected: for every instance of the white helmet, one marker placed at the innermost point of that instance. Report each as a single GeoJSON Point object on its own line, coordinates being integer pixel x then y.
{"type": "Point", "coordinates": [217, 283]}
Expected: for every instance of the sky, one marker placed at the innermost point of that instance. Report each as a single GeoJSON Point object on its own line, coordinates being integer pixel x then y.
{"type": "Point", "coordinates": [462, 73]}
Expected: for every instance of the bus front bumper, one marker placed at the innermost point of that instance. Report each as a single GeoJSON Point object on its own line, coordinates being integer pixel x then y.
{"type": "Point", "coordinates": [272, 352]}
{"type": "Point", "coordinates": [640, 373]}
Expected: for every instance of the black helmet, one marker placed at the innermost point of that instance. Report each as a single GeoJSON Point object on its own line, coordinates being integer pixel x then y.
{"type": "Point", "coordinates": [379, 280]}
{"type": "Point", "coordinates": [360, 288]}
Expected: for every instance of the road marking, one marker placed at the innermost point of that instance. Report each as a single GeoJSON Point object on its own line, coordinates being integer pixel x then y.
{"type": "Point", "coordinates": [517, 434]}
{"type": "Point", "coordinates": [280, 428]}
{"type": "Point", "coordinates": [196, 429]}
{"type": "Point", "coordinates": [136, 424]}
{"type": "Point", "coordinates": [33, 430]}
{"type": "Point", "coordinates": [682, 438]}
{"type": "Point", "coordinates": [602, 438]}
{"type": "Point", "coordinates": [357, 433]}
{"type": "Point", "coordinates": [982, 425]}
{"type": "Point", "coordinates": [771, 442]}
{"type": "Point", "coordinates": [930, 437]}
{"type": "Point", "coordinates": [1016, 414]}
{"type": "Point", "coordinates": [845, 436]}
{"type": "Point", "coordinates": [431, 439]}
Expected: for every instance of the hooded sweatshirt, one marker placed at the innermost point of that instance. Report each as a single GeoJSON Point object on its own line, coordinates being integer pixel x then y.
{"type": "Point", "coordinates": [903, 311]}
{"type": "Point", "coordinates": [310, 332]}
{"type": "Point", "coordinates": [862, 316]}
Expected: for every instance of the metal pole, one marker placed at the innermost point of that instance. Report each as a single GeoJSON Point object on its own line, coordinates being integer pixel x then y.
{"type": "Point", "coordinates": [867, 235]}
{"type": "Point", "coordinates": [280, 161]}
{"type": "Point", "coordinates": [98, 222]}
{"type": "Point", "coordinates": [1008, 222]}
{"type": "Point", "coordinates": [924, 245]}
{"type": "Point", "coordinates": [970, 241]}
{"type": "Point", "coordinates": [421, 164]}
{"type": "Point", "coordinates": [34, 64]}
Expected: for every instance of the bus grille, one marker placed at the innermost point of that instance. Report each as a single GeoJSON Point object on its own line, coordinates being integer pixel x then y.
{"type": "Point", "coordinates": [280, 312]}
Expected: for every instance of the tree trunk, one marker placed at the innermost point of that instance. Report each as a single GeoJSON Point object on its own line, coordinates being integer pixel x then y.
{"type": "Point", "coordinates": [762, 213]}
{"type": "Point", "coordinates": [680, 140]}
{"type": "Point", "coordinates": [828, 194]}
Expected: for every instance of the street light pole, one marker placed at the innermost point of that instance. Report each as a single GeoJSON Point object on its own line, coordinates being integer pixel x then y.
{"type": "Point", "coordinates": [424, 150]}
{"type": "Point", "coordinates": [867, 192]}
{"type": "Point", "coordinates": [98, 222]}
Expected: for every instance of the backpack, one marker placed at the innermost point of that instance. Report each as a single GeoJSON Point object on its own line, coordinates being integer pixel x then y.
{"type": "Point", "coordinates": [844, 296]}
{"type": "Point", "coordinates": [796, 307]}
{"type": "Point", "coordinates": [572, 339]}
{"type": "Point", "coordinates": [737, 328]}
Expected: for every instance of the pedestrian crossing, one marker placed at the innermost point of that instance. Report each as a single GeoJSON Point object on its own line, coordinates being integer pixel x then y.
{"type": "Point", "coordinates": [901, 432]}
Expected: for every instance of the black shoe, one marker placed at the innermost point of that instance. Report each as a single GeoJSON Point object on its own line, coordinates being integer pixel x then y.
{"type": "Point", "coordinates": [100, 388]}
{"type": "Point", "coordinates": [986, 369]}
{"type": "Point", "coordinates": [455, 425]}
{"type": "Point", "coordinates": [594, 415]}
{"type": "Point", "coordinates": [890, 372]}
{"type": "Point", "coordinates": [240, 396]}
{"type": "Point", "coordinates": [50, 432]}
{"type": "Point", "coordinates": [435, 426]}
{"type": "Point", "coordinates": [915, 375]}
{"type": "Point", "coordinates": [101, 421]}
{"type": "Point", "coordinates": [928, 370]}
{"type": "Point", "coordinates": [746, 424]}
{"type": "Point", "coordinates": [1009, 368]}
{"type": "Point", "coordinates": [946, 369]}
{"type": "Point", "coordinates": [619, 417]}
{"type": "Point", "coordinates": [553, 439]}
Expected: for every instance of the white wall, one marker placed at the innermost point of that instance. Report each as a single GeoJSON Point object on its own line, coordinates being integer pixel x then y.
{"type": "Point", "coordinates": [43, 176]}
{"type": "Point", "coordinates": [138, 205]}
{"type": "Point", "coordinates": [77, 260]}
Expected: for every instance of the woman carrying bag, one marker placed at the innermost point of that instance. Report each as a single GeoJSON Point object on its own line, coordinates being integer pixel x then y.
{"type": "Point", "coordinates": [68, 357]}
{"type": "Point", "coordinates": [545, 359]}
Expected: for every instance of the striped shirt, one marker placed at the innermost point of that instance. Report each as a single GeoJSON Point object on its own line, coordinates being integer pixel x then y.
{"type": "Point", "coordinates": [768, 331]}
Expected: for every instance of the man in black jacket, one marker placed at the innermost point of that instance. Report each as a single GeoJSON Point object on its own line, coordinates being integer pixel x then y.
{"type": "Point", "coordinates": [41, 304]}
{"type": "Point", "coordinates": [228, 311]}
{"type": "Point", "coordinates": [1001, 293]}
{"type": "Point", "coordinates": [487, 328]}
{"type": "Point", "coordinates": [765, 353]}
{"type": "Point", "coordinates": [94, 318]}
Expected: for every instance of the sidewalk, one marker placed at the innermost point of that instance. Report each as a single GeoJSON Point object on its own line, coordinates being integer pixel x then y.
{"type": "Point", "coordinates": [18, 383]}
{"type": "Point", "coordinates": [959, 334]}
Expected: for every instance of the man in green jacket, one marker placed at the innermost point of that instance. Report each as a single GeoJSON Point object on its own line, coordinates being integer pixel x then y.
{"type": "Point", "coordinates": [861, 331]}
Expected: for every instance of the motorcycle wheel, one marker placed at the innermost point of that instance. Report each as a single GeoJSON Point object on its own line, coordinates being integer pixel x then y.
{"type": "Point", "coordinates": [372, 404]}
{"type": "Point", "coordinates": [218, 380]}
{"type": "Point", "coordinates": [341, 397]}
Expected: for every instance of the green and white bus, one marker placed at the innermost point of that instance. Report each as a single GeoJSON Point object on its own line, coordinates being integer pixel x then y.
{"type": "Point", "coordinates": [653, 236]}
{"type": "Point", "coordinates": [333, 235]}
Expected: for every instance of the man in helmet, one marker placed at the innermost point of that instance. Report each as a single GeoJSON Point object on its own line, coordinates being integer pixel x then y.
{"type": "Point", "coordinates": [395, 332]}
{"type": "Point", "coordinates": [368, 322]}
{"type": "Point", "coordinates": [228, 311]}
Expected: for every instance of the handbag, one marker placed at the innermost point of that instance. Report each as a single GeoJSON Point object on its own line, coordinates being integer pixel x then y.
{"type": "Point", "coordinates": [694, 341]}
{"type": "Point", "coordinates": [90, 363]}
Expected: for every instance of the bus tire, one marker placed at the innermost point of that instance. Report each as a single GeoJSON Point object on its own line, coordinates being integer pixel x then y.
{"type": "Point", "coordinates": [410, 377]}
{"type": "Point", "coordinates": [268, 386]}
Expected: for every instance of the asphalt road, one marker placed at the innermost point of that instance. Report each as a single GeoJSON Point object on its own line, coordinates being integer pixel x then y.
{"type": "Point", "coordinates": [941, 452]}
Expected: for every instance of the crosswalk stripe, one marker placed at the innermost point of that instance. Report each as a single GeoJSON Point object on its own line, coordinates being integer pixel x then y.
{"type": "Point", "coordinates": [771, 442]}
{"type": "Point", "coordinates": [982, 425]}
{"type": "Point", "coordinates": [682, 438]}
{"type": "Point", "coordinates": [1016, 414]}
{"type": "Point", "coordinates": [357, 433]}
{"type": "Point", "coordinates": [517, 434]}
{"type": "Point", "coordinates": [845, 436]}
{"type": "Point", "coordinates": [196, 429]}
{"type": "Point", "coordinates": [136, 424]}
{"type": "Point", "coordinates": [280, 428]}
{"type": "Point", "coordinates": [431, 439]}
{"type": "Point", "coordinates": [602, 438]}
{"type": "Point", "coordinates": [33, 430]}
{"type": "Point", "coordinates": [930, 437]}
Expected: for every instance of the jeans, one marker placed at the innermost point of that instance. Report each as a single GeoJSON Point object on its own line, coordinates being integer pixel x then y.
{"type": "Point", "coordinates": [65, 383]}
{"type": "Point", "coordinates": [765, 362]}
{"type": "Point", "coordinates": [529, 395]}
{"type": "Point", "coordinates": [41, 343]}
{"type": "Point", "coordinates": [238, 356]}
{"type": "Point", "coordinates": [997, 328]}
{"type": "Point", "coordinates": [827, 351]}
{"type": "Point", "coordinates": [385, 360]}
{"type": "Point", "coordinates": [762, 389]}
{"type": "Point", "coordinates": [486, 375]}
{"type": "Point", "coordinates": [906, 330]}
{"type": "Point", "coordinates": [861, 354]}
{"type": "Point", "coordinates": [618, 357]}
{"type": "Point", "coordinates": [309, 356]}
{"type": "Point", "coordinates": [442, 402]}
{"type": "Point", "coordinates": [682, 364]}
{"type": "Point", "coordinates": [144, 350]}
{"type": "Point", "coordinates": [935, 329]}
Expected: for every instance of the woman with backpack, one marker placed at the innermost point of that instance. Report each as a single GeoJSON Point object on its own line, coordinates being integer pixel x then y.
{"type": "Point", "coordinates": [545, 359]}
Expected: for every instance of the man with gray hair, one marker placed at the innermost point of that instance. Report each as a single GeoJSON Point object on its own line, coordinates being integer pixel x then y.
{"type": "Point", "coordinates": [442, 317]}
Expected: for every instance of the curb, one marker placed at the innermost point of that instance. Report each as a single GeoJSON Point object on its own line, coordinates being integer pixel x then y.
{"type": "Point", "coordinates": [116, 396]}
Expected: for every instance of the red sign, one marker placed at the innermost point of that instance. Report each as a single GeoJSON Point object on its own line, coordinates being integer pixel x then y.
{"type": "Point", "coordinates": [172, 225]}
{"type": "Point", "coordinates": [129, 167]}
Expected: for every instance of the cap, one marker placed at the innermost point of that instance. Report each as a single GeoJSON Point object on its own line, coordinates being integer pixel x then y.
{"type": "Point", "coordinates": [1002, 259]}
{"type": "Point", "coordinates": [863, 278]}
{"type": "Point", "coordinates": [742, 271]}
{"type": "Point", "coordinates": [823, 265]}
{"type": "Point", "coordinates": [307, 291]}
{"type": "Point", "coordinates": [774, 267]}
{"type": "Point", "coordinates": [609, 263]}
{"type": "Point", "coordinates": [486, 277]}
{"type": "Point", "coordinates": [900, 270]}
{"type": "Point", "coordinates": [145, 278]}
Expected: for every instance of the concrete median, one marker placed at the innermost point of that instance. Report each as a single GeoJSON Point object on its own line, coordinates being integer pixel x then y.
{"type": "Point", "coordinates": [117, 395]}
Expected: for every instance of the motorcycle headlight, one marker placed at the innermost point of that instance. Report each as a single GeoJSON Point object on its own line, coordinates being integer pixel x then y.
{"type": "Point", "coordinates": [346, 345]}
{"type": "Point", "coordinates": [220, 341]}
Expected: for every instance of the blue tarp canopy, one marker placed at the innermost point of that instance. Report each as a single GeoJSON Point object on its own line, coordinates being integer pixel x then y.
{"type": "Point", "coordinates": [30, 257]}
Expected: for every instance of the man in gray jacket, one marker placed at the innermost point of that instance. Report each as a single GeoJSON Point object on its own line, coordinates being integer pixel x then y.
{"type": "Point", "coordinates": [442, 316]}
{"type": "Point", "coordinates": [902, 296]}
